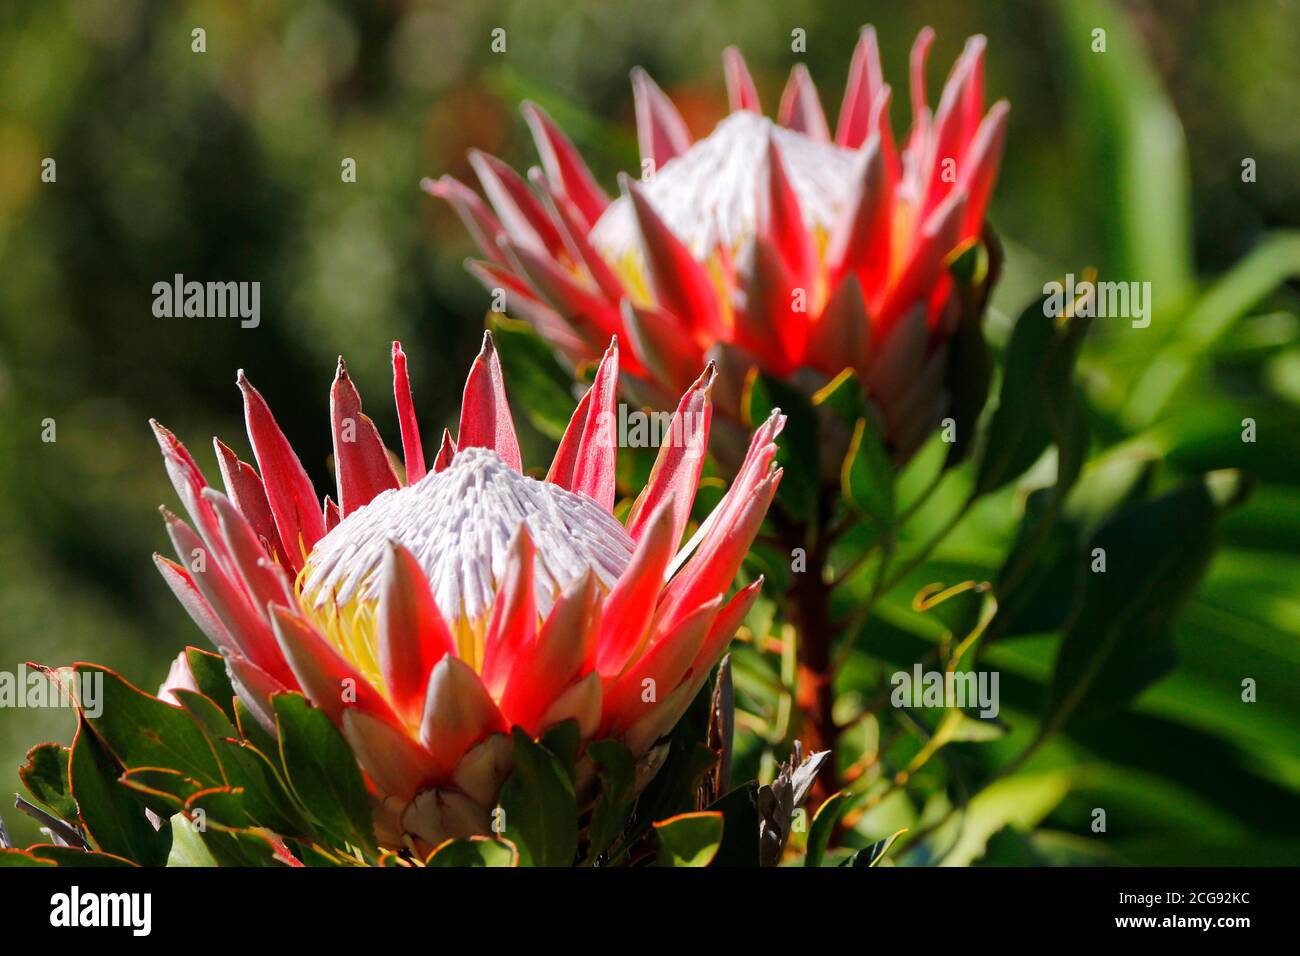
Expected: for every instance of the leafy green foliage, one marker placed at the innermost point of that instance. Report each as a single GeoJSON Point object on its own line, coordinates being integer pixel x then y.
{"type": "Point", "coordinates": [1119, 641]}
{"type": "Point", "coordinates": [616, 771]}
{"type": "Point", "coordinates": [867, 481]}
{"type": "Point", "coordinates": [1037, 405]}
{"type": "Point", "coordinates": [541, 813]}
{"type": "Point", "coordinates": [114, 817]}
{"type": "Point", "coordinates": [322, 771]}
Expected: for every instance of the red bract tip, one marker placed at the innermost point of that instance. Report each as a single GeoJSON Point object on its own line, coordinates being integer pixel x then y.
{"type": "Point", "coordinates": [485, 420]}
{"type": "Point", "coordinates": [660, 129]}
{"type": "Point", "coordinates": [412, 450]}
{"type": "Point", "coordinates": [741, 92]}
{"type": "Point", "coordinates": [288, 489]}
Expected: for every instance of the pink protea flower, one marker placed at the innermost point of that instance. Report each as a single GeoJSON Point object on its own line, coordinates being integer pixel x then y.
{"type": "Point", "coordinates": [766, 244]}
{"type": "Point", "coordinates": [428, 616]}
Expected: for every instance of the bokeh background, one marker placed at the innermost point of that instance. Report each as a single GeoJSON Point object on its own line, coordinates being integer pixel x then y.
{"type": "Point", "coordinates": [225, 166]}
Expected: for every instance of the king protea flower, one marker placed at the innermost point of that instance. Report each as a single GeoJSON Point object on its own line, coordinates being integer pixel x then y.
{"type": "Point", "coordinates": [765, 244]}
{"type": "Point", "coordinates": [428, 616]}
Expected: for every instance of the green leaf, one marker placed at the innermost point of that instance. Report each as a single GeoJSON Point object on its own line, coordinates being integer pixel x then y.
{"type": "Point", "coordinates": [1037, 403]}
{"type": "Point", "coordinates": [689, 839]}
{"type": "Point", "coordinates": [872, 855]}
{"type": "Point", "coordinates": [798, 453]}
{"type": "Point", "coordinates": [842, 397]}
{"type": "Point", "coordinates": [1120, 640]}
{"type": "Point", "coordinates": [823, 825]}
{"type": "Point", "coordinates": [970, 363]}
{"type": "Point", "coordinates": [266, 797]}
{"type": "Point", "coordinates": [223, 806]}
{"type": "Point", "coordinates": [969, 374]}
{"type": "Point", "coordinates": [867, 477]}
{"type": "Point", "coordinates": [210, 677]}
{"type": "Point", "coordinates": [1037, 583]}
{"type": "Point", "coordinates": [541, 813]}
{"type": "Point", "coordinates": [1131, 131]}
{"type": "Point", "coordinates": [539, 388]}
{"type": "Point", "coordinates": [616, 771]}
{"type": "Point", "coordinates": [322, 771]}
{"type": "Point", "coordinates": [10, 857]}
{"type": "Point", "coordinates": [675, 787]}
{"type": "Point", "coordinates": [45, 774]}
{"type": "Point", "coordinates": [1022, 800]}
{"type": "Point", "coordinates": [203, 709]}
{"type": "Point", "coordinates": [143, 731]}
{"type": "Point", "coordinates": [241, 848]}
{"type": "Point", "coordinates": [475, 852]}
{"type": "Point", "coordinates": [188, 848]}
{"type": "Point", "coordinates": [71, 856]}
{"type": "Point", "coordinates": [113, 815]}
{"type": "Point", "coordinates": [1266, 267]}
{"type": "Point", "coordinates": [251, 729]}
{"type": "Point", "coordinates": [739, 809]}
{"type": "Point", "coordinates": [563, 740]}
{"type": "Point", "coordinates": [163, 791]}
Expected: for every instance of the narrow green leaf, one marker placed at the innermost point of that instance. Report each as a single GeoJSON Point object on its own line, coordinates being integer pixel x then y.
{"type": "Point", "coordinates": [866, 476]}
{"type": "Point", "coordinates": [1266, 267]}
{"type": "Point", "coordinates": [1134, 141]}
{"type": "Point", "coordinates": [872, 855]}
{"type": "Point", "coordinates": [823, 825]}
{"type": "Point", "coordinates": [690, 839]}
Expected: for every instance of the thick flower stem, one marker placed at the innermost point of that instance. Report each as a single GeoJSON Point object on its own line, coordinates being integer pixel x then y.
{"type": "Point", "coordinates": [808, 604]}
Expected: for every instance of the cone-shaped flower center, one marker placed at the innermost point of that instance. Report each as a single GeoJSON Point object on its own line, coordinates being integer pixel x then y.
{"type": "Point", "coordinates": [459, 525]}
{"type": "Point", "coordinates": [709, 195]}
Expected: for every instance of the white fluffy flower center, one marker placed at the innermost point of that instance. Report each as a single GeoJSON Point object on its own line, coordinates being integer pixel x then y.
{"type": "Point", "coordinates": [459, 524]}
{"type": "Point", "coordinates": [708, 196]}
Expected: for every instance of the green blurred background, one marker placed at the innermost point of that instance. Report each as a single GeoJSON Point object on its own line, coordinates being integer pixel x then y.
{"type": "Point", "coordinates": [225, 166]}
